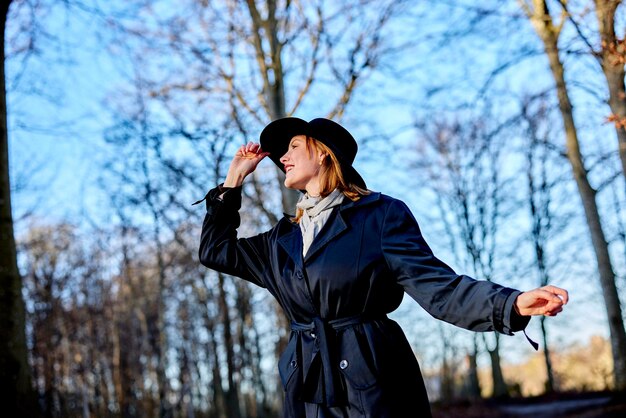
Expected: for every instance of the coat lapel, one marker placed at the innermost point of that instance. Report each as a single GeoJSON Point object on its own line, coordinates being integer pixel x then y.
{"type": "Point", "coordinates": [292, 244]}
{"type": "Point", "coordinates": [333, 227]}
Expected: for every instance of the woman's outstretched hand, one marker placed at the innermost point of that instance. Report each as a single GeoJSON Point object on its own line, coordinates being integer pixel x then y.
{"type": "Point", "coordinates": [546, 300]}
{"type": "Point", "coordinates": [244, 162]}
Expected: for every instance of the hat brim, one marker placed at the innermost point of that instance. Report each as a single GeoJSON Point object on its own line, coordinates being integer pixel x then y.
{"type": "Point", "coordinates": [277, 135]}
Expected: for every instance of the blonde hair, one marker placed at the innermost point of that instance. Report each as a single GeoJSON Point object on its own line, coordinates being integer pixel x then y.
{"type": "Point", "coordinates": [331, 176]}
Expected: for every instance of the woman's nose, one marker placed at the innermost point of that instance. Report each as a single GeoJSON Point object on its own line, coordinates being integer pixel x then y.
{"type": "Point", "coordinates": [283, 159]}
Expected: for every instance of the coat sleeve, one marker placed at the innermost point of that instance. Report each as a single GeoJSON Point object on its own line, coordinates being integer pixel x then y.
{"type": "Point", "coordinates": [221, 249]}
{"type": "Point", "coordinates": [477, 305]}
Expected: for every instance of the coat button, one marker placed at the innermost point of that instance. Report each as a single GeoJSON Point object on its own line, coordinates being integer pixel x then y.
{"type": "Point", "coordinates": [343, 364]}
{"type": "Point", "coordinates": [314, 335]}
{"type": "Point", "coordinates": [299, 275]}
{"type": "Point", "coordinates": [294, 363]}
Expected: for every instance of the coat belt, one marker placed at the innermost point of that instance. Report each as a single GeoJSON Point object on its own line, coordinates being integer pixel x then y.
{"type": "Point", "coordinates": [321, 377]}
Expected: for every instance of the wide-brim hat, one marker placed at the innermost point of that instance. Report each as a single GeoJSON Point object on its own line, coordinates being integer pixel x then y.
{"type": "Point", "coordinates": [276, 136]}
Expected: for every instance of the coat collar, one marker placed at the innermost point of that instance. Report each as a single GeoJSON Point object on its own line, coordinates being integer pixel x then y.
{"type": "Point", "coordinates": [335, 226]}
{"type": "Point", "coordinates": [363, 201]}
{"type": "Point", "coordinates": [347, 204]}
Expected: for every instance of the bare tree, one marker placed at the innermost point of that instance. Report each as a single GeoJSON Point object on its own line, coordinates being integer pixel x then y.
{"type": "Point", "coordinates": [612, 59]}
{"type": "Point", "coordinates": [68, 322]}
{"type": "Point", "coordinates": [461, 160]}
{"type": "Point", "coordinates": [540, 200]}
{"type": "Point", "coordinates": [255, 61]}
{"type": "Point", "coordinates": [549, 30]}
{"type": "Point", "coordinates": [15, 380]}
{"type": "Point", "coordinates": [610, 55]}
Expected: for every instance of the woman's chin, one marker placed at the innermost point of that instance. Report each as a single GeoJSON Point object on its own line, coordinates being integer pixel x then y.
{"type": "Point", "coordinates": [290, 185]}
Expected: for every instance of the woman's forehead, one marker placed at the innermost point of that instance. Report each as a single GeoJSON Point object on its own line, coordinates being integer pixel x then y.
{"type": "Point", "coordinates": [297, 138]}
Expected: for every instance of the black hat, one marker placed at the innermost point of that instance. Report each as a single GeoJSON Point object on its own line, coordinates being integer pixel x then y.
{"type": "Point", "coordinates": [276, 136]}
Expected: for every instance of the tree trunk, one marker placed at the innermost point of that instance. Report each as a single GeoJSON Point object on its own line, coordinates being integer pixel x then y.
{"type": "Point", "coordinates": [548, 33]}
{"type": "Point", "coordinates": [50, 351]}
{"type": "Point", "coordinates": [544, 331]}
{"type": "Point", "coordinates": [125, 338]}
{"type": "Point", "coordinates": [186, 394]}
{"type": "Point", "coordinates": [125, 372]}
{"type": "Point", "coordinates": [17, 396]}
{"type": "Point", "coordinates": [257, 374]}
{"type": "Point", "coordinates": [612, 55]}
{"type": "Point", "coordinates": [249, 347]}
{"type": "Point", "coordinates": [500, 389]}
{"type": "Point", "coordinates": [446, 376]}
{"type": "Point", "coordinates": [546, 355]}
{"type": "Point", "coordinates": [219, 402]}
{"type": "Point", "coordinates": [217, 407]}
{"type": "Point", "coordinates": [232, 395]}
{"type": "Point", "coordinates": [539, 204]}
{"type": "Point", "coordinates": [473, 384]}
{"type": "Point", "coordinates": [160, 347]}
{"type": "Point", "coordinates": [447, 380]}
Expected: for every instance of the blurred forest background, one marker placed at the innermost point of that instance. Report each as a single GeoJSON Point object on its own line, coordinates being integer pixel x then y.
{"type": "Point", "coordinates": [502, 123]}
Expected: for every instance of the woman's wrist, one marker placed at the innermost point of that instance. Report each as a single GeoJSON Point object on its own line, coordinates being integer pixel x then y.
{"type": "Point", "coordinates": [234, 180]}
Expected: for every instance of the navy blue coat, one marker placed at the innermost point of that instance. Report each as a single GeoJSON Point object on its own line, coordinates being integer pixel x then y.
{"type": "Point", "coordinates": [345, 357]}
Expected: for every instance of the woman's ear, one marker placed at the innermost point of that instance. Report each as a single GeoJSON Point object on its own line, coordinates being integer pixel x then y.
{"type": "Point", "coordinates": [322, 157]}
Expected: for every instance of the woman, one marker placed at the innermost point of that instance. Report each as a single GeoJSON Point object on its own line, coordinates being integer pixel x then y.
{"type": "Point", "coordinates": [339, 267]}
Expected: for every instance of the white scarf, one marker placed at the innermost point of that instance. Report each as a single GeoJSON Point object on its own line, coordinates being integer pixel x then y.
{"type": "Point", "coordinates": [316, 212]}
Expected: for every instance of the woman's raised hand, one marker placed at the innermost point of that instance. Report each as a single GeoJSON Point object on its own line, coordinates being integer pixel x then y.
{"type": "Point", "coordinates": [546, 300]}
{"type": "Point", "coordinates": [244, 162]}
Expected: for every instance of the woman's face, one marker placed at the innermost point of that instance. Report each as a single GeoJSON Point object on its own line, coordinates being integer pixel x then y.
{"type": "Point", "coordinates": [302, 166]}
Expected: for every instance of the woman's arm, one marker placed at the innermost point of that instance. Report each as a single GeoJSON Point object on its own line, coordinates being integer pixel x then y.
{"type": "Point", "coordinates": [220, 248]}
{"type": "Point", "coordinates": [477, 305]}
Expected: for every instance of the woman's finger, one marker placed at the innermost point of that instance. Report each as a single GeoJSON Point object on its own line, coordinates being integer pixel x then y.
{"type": "Point", "coordinates": [558, 291]}
{"type": "Point", "coordinates": [555, 297]}
{"type": "Point", "coordinates": [553, 306]}
{"type": "Point", "coordinates": [553, 312]}
{"type": "Point", "coordinates": [546, 295]}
